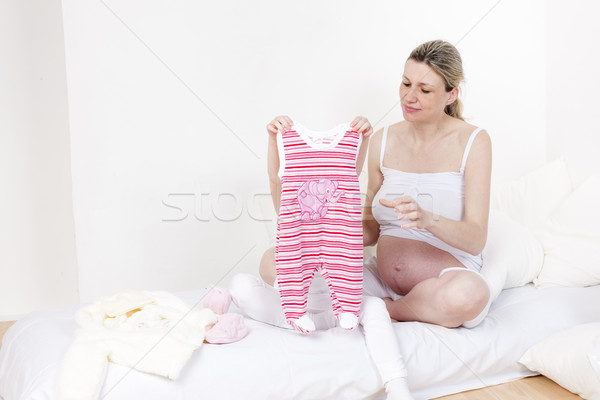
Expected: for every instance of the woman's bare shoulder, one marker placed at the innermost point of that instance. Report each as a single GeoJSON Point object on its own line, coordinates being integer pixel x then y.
{"type": "Point", "coordinates": [481, 144]}
{"type": "Point", "coordinates": [465, 130]}
{"type": "Point", "coordinates": [462, 126]}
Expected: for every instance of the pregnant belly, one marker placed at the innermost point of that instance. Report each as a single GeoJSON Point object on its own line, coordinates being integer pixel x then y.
{"type": "Point", "coordinates": [402, 263]}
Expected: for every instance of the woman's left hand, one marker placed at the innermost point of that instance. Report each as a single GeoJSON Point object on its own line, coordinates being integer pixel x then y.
{"type": "Point", "coordinates": [409, 210]}
{"type": "Point", "coordinates": [362, 125]}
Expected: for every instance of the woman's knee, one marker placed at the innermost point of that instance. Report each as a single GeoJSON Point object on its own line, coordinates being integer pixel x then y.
{"type": "Point", "coordinates": [463, 297]}
{"type": "Point", "coordinates": [244, 288]}
{"type": "Point", "coordinates": [267, 269]}
{"type": "Point", "coordinates": [240, 287]}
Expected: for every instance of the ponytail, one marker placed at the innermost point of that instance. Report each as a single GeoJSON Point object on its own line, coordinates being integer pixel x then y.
{"type": "Point", "coordinates": [455, 109]}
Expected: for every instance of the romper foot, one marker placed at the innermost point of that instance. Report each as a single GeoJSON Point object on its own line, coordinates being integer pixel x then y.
{"type": "Point", "coordinates": [303, 324]}
{"type": "Point", "coordinates": [348, 320]}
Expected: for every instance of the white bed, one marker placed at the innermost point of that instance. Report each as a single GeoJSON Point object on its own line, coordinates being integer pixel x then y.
{"type": "Point", "coordinates": [273, 363]}
{"type": "Point", "coordinates": [555, 243]}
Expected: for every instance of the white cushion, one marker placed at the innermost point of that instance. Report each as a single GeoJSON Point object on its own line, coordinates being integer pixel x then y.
{"type": "Point", "coordinates": [563, 357]}
{"type": "Point", "coordinates": [512, 255]}
{"type": "Point", "coordinates": [531, 198]}
{"type": "Point", "coordinates": [571, 240]}
{"type": "Point", "coordinates": [594, 357]}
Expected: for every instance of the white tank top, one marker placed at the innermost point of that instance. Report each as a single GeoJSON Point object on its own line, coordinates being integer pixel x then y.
{"type": "Point", "coordinates": [442, 193]}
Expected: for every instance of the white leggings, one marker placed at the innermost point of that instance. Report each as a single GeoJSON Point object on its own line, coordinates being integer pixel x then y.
{"type": "Point", "coordinates": [261, 302]}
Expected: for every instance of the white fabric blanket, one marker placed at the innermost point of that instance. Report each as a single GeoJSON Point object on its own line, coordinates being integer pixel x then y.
{"type": "Point", "coordinates": [154, 332]}
{"type": "Point", "coordinates": [274, 363]}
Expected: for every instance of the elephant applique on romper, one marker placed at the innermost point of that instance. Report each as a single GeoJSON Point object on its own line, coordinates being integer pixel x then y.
{"type": "Point", "coordinates": [315, 197]}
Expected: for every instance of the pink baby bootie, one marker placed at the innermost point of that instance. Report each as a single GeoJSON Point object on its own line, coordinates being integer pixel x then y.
{"type": "Point", "coordinates": [217, 299]}
{"type": "Point", "coordinates": [228, 329]}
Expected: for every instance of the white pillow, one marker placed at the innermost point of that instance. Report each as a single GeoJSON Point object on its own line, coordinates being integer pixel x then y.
{"type": "Point", "coordinates": [594, 357]}
{"type": "Point", "coordinates": [531, 198]}
{"type": "Point", "coordinates": [571, 240]}
{"type": "Point", "coordinates": [563, 357]}
{"type": "Point", "coordinates": [512, 256]}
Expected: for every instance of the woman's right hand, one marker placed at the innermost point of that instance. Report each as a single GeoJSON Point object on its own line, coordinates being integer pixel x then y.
{"type": "Point", "coordinates": [279, 123]}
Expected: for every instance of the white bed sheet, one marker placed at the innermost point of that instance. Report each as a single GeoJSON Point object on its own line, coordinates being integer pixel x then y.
{"type": "Point", "coordinates": [273, 363]}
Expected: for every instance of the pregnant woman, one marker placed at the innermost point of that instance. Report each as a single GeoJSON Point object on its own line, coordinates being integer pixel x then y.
{"type": "Point", "coordinates": [427, 200]}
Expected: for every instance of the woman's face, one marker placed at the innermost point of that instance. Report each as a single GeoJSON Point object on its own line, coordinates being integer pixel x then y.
{"type": "Point", "coordinates": [423, 93]}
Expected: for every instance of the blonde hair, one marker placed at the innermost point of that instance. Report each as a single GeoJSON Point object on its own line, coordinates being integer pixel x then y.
{"type": "Point", "coordinates": [444, 59]}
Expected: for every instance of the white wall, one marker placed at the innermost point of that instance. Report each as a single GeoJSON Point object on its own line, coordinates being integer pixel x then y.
{"type": "Point", "coordinates": [169, 101]}
{"type": "Point", "coordinates": [156, 93]}
{"type": "Point", "coordinates": [573, 83]}
{"type": "Point", "coordinates": [37, 241]}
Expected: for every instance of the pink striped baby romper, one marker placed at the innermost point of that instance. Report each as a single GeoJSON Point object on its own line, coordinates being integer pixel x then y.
{"type": "Point", "coordinates": [319, 224]}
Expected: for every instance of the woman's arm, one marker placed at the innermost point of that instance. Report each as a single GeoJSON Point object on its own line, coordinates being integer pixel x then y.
{"type": "Point", "coordinates": [273, 170]}
{"type": "Point", "coordinates": [362, 154]}
{"type": "Point", "coordinates": [362, 126]}
{"type": "Point", "coordinates": [375, 179]}
{"type": "Point", "coordinates": [279, 123]}
{"type": "Point", "coordinates": [470, 234]}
